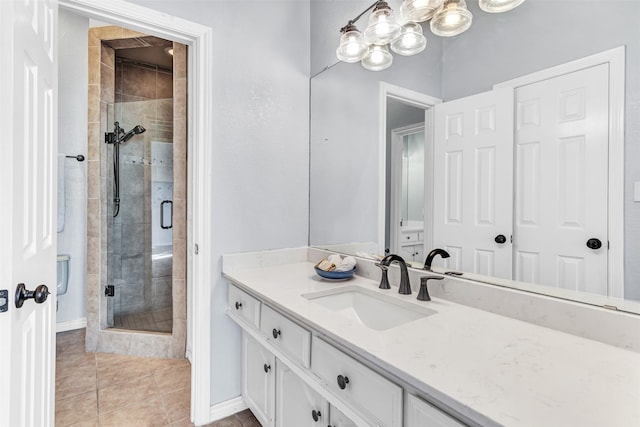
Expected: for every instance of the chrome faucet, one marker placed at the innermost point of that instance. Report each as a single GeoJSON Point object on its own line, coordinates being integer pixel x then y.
{"type": "Point", "coordinates": [405, 286]}
{"type": "Point", "coordinates": [432, 255]}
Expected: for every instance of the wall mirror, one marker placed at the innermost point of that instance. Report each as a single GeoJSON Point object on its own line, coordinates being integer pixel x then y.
{"type": "Point", "coordinates": [352, 122]}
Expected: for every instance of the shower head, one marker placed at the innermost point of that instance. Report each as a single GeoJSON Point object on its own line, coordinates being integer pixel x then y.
{"type": "Point", "coordinates": [135, 131]}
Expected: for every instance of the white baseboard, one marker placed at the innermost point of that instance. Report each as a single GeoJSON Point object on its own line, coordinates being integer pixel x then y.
{"type": "Point", "coordinates": [225, 409]}
{"type": "Point", "coordinates": [71, 325]}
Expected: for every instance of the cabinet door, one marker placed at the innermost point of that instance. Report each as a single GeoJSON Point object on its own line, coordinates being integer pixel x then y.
{"type": "Point", "coordinates": [258, 380]}
{"type": "Point", "coordinates": [296, 403]}
{"type": "Point", "coordinates": [423, 414]}
{"type": "Point", "coordinates": [338, 419]}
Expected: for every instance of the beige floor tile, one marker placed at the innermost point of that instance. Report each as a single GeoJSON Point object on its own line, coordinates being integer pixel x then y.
{"type": "Point", "coordinates": [177, 405]}
{"type": "Point", "coordinates": [231, 421]}
{"type": "Point", "coordinates": [86, 423]}
{"type": "Point", "coordinates": [76, 409]}
{"type": "Point", "coordinates": [173, 379]}
{"type": "Point", "coordinates": [158, 365]}
{"type": "Point", "coordinates": [183, 423]}
{"type": "Point", "coordinates": [247, 419]}
{"type": "Point", "coordinates": [117, 373]}
{"type": "Point", "coordinates": [73, 385]}
{"type": "Point", "coordinates": [124, 394]}
{"type": "Point", "coordinates": [149, 413]}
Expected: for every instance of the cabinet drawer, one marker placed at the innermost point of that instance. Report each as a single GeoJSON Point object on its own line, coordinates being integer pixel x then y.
{"type": "Point", "coordinates": [243, 307]}
{"type": "Point", "coordinates": [286, 335]}
{"type": "Point", "coordinates": [410, 237]}
{"type": "Point", "coordinates": [374, 396]}
{"type": "Point", "coordinates": [421, 413]}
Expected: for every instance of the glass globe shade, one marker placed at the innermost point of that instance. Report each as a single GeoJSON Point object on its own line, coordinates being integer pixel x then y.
{"type": "Point", "coordinates": [497, 6]}
{"type": "Point", "coordinates": [451, 19]}
{"type": "Point", "coordinates": [352, 47]}
{"type": "Point", "coordinates": [382, 26]}
{"type": "Point", "coordinates": [410, 41]}
{"type": "Point", "coordinates": [419, 10]}
{"type": "Point", "coordinates": [378, 59]}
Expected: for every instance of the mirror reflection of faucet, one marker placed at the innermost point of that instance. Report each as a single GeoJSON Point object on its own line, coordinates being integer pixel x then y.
{"type": "Point", "coordinates": [432, 255]}
{"type": "Point", "coordinates": [405, 285]}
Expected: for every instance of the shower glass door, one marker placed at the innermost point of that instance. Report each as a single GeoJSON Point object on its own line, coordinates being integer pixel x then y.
{"type": "Point", "coordinates": [138, 166]}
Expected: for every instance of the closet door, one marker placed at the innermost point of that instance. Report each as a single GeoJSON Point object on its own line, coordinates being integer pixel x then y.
{"type": "Point", "coordinates": [561, 138]}
{"type": "Point", "coordinates": [473, 182]}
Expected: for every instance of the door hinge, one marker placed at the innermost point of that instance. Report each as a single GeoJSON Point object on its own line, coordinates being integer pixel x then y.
{"type": "Point", "coordinates": [4, 300]}
{"type": "Point", "coordinates": [195, 248]}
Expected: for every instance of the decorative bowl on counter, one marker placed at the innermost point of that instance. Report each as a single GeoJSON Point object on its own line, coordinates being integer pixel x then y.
{"type": "Point", "coordinates": [335, 275]}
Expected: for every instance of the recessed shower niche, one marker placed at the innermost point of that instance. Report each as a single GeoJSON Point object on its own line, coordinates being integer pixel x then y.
{"type": "Point", "coordinates": [139, 209]}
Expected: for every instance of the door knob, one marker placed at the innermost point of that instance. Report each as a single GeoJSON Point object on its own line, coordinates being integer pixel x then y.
{"type": "Point", "coordinates": [500, 239]}
{"type": "Point", "coordinates": [22, 294]}
{"type": "Point", "coordinates": [594, 243]}
{"type": "Point", "coordinates": [266, 368]}
{"type": "Point", "coordinates": [315, 415]}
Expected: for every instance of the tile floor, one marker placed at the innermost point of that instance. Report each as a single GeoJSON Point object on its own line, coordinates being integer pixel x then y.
{"type": "Point", "coordinates": [159, 320]}
{"type": "Point", "coordinates": [100, 389]}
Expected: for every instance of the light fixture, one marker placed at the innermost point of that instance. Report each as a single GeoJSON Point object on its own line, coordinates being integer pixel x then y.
{"type": "Point", "coordinates": [378, 58]}
{"type": "Point", "coordinates": [169, 50]}
{"type": "Point", "coordinates": [451, 19]}
{"type": "Point", "coordinates": [382, 28]}
{"type": "Point", "coordinates": [352, 46]}
{"type": "Point", "coordinates": [410, 40]}
{"type": "Point", "coordinates": [497, 6]}
{"type": "Point", "coordinates": [419, 10]}
{"type": "Point", "coordinates": [371, 47]}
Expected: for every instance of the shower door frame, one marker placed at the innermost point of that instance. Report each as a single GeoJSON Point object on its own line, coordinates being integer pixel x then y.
{"type": "Point", "coordinates": [199, 189]}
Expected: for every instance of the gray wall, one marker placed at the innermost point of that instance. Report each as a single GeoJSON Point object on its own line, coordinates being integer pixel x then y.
{"type": "Point", "coordinates": [261, 130]}
{"type": "Point", "coordinates": [72, 140]}
{"type": "Point", "coordinates": [540, 34]}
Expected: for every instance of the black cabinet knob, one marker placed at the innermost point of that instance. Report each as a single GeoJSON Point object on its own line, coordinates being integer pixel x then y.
{"type": "Point", "coordinates": [594, 243]}
{"type": "Point", "coordinates": [39, 295]}
{"type": "Point", "coordinates": [500, 239]}
{"type": "Point", "coordinates": [315, 415]}
{"type": "Point", "coordinates": [275, 333]}
{"type": "Point", "coordinates": [343, 381]}
{"type": "Point", "coordinates": [238, 305]}
{"type": "Point", "coordinates": [267, 368]}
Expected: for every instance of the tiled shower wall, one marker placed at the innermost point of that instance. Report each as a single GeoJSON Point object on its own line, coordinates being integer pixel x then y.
{"type": "Point", "coordinates": [102, 92]}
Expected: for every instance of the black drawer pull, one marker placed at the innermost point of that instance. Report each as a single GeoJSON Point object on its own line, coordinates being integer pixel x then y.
{"type": "Point", "coordinates": [267, 368]}
{"type": "Point", "coordinates": [238, 305]}
{"type": "Point", "coordinates": [275, 333]}
{"type": "Point", "coordinates": [342, 382]}
{"type": "Point", "coordinates": [315, 415]}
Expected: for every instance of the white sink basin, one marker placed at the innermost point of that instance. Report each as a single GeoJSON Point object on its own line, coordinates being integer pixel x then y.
{"type": "Point", "coordinates": [370, 308]}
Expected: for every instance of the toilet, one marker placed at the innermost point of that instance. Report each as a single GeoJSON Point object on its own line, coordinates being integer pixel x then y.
{"type": "Point", "coordinates": [63, 274]}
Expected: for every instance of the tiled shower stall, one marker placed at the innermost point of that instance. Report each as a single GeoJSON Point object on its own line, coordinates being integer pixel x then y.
{"type": "Point", "coordinates": [143, 262]}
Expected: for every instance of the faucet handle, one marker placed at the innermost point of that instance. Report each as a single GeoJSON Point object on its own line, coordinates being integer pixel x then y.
{"type": "Point", "coordinates": [423, 294]}
{"type": "Point", "coordinates": [384, 280]}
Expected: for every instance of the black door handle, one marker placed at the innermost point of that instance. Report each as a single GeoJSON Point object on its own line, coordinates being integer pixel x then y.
{"type": "Point", "coordinates": [22, 294]}
{"type": "Point", "coordinates": [594, 243]}
{"type": "Point", "coordinates": [500, 239]}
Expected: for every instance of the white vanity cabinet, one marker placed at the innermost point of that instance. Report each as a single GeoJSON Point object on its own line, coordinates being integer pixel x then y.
{"type": "Point", "coordinates": [423, 414]}
{"type": "Point", "coordinates": [338, 419]}
{"type": "Point", "coordinates": [296, 403]}
{"type": "Point", "coordinates": [258, 380]}
{"type": "Point", "coordinates": [243, 308]}
{"type": "Point", "coordinates": [377, 398]}
{"type": "Point", "coordinates": [412, 245]}
{"type": "Point", "coordinates": [286, 335]}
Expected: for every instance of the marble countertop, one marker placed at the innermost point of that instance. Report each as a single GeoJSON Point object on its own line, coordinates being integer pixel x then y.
{"type": "Point", "coordinates": [491, 369]}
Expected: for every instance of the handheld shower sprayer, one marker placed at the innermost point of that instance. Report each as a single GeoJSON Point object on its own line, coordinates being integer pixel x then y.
{"type": "Point", "coordinates": [116, 138]}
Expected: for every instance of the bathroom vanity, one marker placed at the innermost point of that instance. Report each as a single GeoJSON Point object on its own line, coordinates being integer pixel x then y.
{"type": "Point", "coordinates": [323, 353]}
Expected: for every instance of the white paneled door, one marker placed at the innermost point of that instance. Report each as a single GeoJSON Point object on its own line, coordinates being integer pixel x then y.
{"type": "Point", "coordinates": [473, 181]}
{"type": "Point", "coordinates": [561, 137]}
{"type": "Point", "coordinates": [28, 31]}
